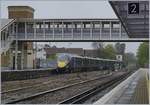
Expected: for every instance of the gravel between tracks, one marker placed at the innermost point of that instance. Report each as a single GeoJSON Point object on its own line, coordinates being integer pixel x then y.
{"type": "Point", "coordinates": [43, 84]}
{"type": "Point", "coordinates": [5, 86]}
{"type": "Point", "coordinates": [58, 96]}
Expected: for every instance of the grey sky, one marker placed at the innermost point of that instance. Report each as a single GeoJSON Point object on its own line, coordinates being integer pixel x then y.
{"type": "Point", "coordinates": [64, 9]}
{"type": "Point", "coordinates": [68, 9]}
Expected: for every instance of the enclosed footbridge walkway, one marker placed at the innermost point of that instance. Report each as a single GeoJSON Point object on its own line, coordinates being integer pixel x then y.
{"type": "Point", "coordinates": [60, 30]}
{"type": "Point", "coordinates": [66, 29]}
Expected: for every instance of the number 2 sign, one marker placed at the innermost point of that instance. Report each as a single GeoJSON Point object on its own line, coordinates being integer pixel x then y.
{"type": "Point", "coordinates": [133, 8]}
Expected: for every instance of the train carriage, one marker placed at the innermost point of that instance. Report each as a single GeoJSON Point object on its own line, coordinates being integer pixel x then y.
{"type": "Point", "coordinates": [65, 62]}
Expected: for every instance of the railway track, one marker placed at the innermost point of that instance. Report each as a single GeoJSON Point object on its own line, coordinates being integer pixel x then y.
{"type": "Point", "coordinates": [82, 97]}
{"type": "Point", "coordinates": [51, 91]}
{"type": "Point", "coordinates": [13, 86]}
{"type": "Point", "coordinates": [24, 91]}
{"type": "Point", "coordinates": [27, 87]}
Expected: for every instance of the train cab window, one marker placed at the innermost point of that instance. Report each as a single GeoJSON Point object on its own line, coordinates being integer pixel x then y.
{"type": "Point", "coordinates": [61, 58]}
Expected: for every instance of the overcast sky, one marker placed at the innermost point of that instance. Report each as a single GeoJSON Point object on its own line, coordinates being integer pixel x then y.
{"type": "Point", "coordinates": [64, 9]}
{"type": "Point", "coordinates": [68, 9]}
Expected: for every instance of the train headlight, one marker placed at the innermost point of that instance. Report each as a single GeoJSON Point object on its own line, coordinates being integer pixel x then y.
{"type": "Point", "coordinates": [61, 64]}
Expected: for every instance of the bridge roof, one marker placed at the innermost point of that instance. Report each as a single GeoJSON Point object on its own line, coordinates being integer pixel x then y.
{"type": "Point", "coordinates": [68, 20]}
{"type": "Point", "coordinates": [136, 25]}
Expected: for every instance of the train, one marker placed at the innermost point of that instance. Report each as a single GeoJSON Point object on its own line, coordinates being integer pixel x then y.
{"type": "Point", "coordinates": [65, 62]}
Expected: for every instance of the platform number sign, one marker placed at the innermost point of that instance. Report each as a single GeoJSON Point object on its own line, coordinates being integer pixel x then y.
{"type": "Point", "coordinates": [133, 8]}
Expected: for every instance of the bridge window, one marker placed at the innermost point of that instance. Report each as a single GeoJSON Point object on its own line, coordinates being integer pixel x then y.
{"type": "Point", "coordinates": [50, 25]}
{"type": "Point", "coordinates": [21, 27]}
{"type": "Point", "coordinates": [46, 26]}
{"type": "Point", "coordinates": [106, 25]}
{"type": "Point", "coordinates": [57, 25]}
{"type": "Point", "coordinates": [96, 25]}
{"type": "Point", "coordinates": [78, 25]}
{"type": "Point", "coordinates": [86, 25]}
{"type": "Point", "coordinates": [42, 25]}
{"type": "Point", "coordinates": [115, 25]}
{"type": "Point", "coordinates": [37, 26]}
{"type": "Point", "coordinates": [29, 25]}
{"type": "Point", "coordinates": [69, 25]}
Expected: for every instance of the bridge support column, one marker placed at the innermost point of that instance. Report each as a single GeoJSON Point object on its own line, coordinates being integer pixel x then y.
{"type": "Point", "coordinates": [16, 55]}
{"type": "Point", "coordinates": [100, 32]}
{"type": "Point", "coordinates": [22, 56]}
{"type": "Point", "coordinates": [110, 30]}
{"type": "Point", "coordinates": [16, 48]}
{"type": "Point", "coordinates": [120, 26]}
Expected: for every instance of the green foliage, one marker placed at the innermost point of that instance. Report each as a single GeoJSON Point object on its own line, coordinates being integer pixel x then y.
{"type": "Point", "coordinates": [107, 52]}
{"type": "Point", "coordinates": [130, 60]}
{"type": "Point", "coordinates": [52, 57]}
{"type": "Point", "coordinates": [120, 48]}
{"type": "Point", "coordinates": [110, 52]}
{"type": "Point", "coordinates": [143, 54]}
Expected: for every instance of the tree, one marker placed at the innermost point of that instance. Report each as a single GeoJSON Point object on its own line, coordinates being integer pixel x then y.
{"type": "Point", "coordinates": [99, 47]}
{"type": "Point", "coordinates": [143, 54]}
{"type": "Point", "coordinates": [120, 48]}
{"type": "Point", "coordinates": [109, 52]}
{"type": "Point", "coordinates": [47, 46]}
{"type": "Point", "coordinates": [130, 60]}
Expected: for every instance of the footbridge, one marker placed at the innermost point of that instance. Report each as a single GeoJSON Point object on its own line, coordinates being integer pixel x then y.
{"type": "Point", "coordinates": [66, 29]}
{"type": "Point", "coordinates": [42, 30]}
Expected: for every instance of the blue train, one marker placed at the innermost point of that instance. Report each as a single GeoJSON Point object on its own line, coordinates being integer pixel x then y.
{"type": "Point", "coordinates": [64, 62]}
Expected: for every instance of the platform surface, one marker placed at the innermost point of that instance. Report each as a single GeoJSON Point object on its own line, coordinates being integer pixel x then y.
{"type": "Point", "coordinates": [134, 90]}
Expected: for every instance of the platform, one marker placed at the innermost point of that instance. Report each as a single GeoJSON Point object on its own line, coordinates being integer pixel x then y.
{"type": "Point", "coordinates": [134, 90]}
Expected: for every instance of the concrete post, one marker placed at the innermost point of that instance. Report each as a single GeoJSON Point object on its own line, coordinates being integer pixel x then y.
{"type": "Point", "coordinates": [22, 56]}
{"type": "Point", "coordinates": [72, 30]}
{"type": "Point", "coordinates": [34, 30]}
{"type": "Point", "coordinates": [25, 30]}
{"type": "Point", "coordinates": [100, 32]}
{"type": "Point", "coordinates": [44, 30]}
{"type": "Point", "coordinates": [81, 30]}
{"type": "Point", "coordinates": [53, 29]}
{"type": "Point", "coordinates": [62, 29]}
{"type": "Point", "coordinates": [120, 29]}
{"type": "Point", "coordinates": [91, 28]}
{"type": "Point", "coordinates": [16, 48]}
{"type": "Point", "coordinates": [110, 30]}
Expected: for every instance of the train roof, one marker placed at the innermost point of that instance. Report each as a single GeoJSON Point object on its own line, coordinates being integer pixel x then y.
{"type": "Point", "coordinates": [77, 56]}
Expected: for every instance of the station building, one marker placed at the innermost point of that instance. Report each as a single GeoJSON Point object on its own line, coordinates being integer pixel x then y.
{"type": "Point", "coordinates": [25, 49]}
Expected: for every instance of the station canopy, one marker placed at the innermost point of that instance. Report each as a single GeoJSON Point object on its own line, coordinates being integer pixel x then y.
{"type": "Point", "coordinates": [134, 15]}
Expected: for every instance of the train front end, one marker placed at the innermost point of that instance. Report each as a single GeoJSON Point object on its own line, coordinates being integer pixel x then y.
{"type": "Point", "coordinates": [62, 62]}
